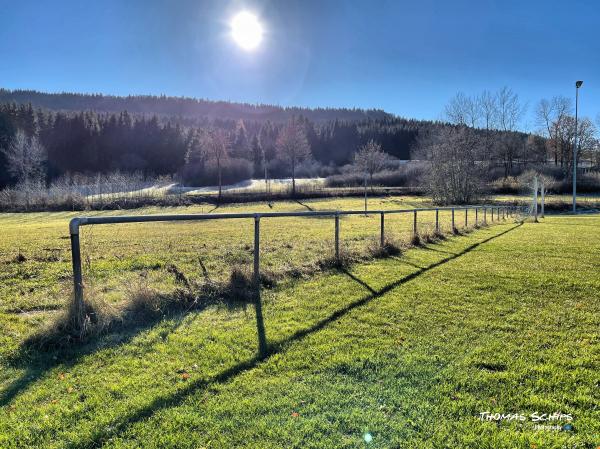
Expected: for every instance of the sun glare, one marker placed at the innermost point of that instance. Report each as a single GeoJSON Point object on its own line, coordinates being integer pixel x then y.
{"type": "Point", "coordinates": [246, 30]}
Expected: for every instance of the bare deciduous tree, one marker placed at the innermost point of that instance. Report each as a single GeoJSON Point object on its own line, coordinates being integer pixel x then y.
{"type": "Point", "coordinates": [586, 140]}
{"type": "Point", "coordinates": [488, 109]}
{"type": "Point", "coordinates": [463, 110]}
{"type": "Point", "coordinates": [370, 159]}
{"type": "Point", "coordinates": [454, 175]}
{"type": "Point", "coordinates": [25, 158]}
{"type": "Point", "coordinates": [492, 111]}
{"type": "Point", "coordinates": [510, 111]}
{"type": "Point", "coordinates": [550, 116]}
{"type": "Point", "coordinates": [217, 144]}
{"type": "Point", "coordinates": [209, 147]}
{"type": "Point", "coordinates": [292, 147]}
{"type": "Point", "coordinates": [555, 120]}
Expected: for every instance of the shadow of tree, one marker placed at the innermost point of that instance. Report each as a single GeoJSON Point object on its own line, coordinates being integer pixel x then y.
{"type": "Point", "coordinates": [265, 351]}
{"type": "Point", "coordinates": [304, 205]}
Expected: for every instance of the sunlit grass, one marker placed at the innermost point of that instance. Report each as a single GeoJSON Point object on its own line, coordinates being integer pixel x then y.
{"type": "Point", "coordinates": [115, 255]}
{"type": "Point", "coordinates": [406, 350]}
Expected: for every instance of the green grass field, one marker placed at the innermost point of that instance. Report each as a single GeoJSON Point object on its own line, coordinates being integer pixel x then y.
{"type": "Point", "coordinates": [115, 255]}
{"type": "Point", "coordinates": [405, 351]}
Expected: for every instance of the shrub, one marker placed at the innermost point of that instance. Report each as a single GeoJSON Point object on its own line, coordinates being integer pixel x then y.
{"type": "Point", "coordinates": [405, 175]}
{"type": "Point", "coordinates": [78, 192]}
{"type": "Point", "coordinates": [455, 171]}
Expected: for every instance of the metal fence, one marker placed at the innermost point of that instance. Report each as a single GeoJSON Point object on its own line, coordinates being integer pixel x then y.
{"type": "Point", "coordinates": [472, 214]}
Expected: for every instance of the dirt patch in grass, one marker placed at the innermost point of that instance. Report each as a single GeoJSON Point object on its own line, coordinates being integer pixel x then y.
{"type": "Point", "coordinates": [491, 367]}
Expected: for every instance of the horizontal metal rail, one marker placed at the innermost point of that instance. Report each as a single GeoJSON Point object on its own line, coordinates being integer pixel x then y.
{"type": "Point", "coordinates": [77, 222]}
{"type": "Point", "coordinates": [82, 221]}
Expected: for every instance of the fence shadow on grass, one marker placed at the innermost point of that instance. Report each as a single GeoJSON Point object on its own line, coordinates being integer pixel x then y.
{"type": "Point", "coordinates": [58, 345]}
{"type": "Point", "coordinates": [266, 350]}
{"type": "Point", "coordinates": [37, 362]}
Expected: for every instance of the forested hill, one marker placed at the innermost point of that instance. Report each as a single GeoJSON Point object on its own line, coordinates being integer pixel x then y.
{"type": "Point", "coordinates": [96, 134]}
{"type": "Point", "coordinates": [189, 108]}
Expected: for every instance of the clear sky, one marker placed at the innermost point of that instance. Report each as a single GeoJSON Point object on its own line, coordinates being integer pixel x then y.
{"type": "Point", "coordinates": [406, 57]}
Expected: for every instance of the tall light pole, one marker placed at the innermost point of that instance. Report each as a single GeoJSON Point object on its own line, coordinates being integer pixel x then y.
{"type": "Point", "coordinates": [577, 86]}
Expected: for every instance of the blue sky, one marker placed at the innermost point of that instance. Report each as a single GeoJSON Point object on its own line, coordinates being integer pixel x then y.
{"type": "Point", "coordinates": [405, 57]}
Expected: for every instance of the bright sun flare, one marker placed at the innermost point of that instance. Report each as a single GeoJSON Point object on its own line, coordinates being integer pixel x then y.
{"type": "Point", "coordinates": [246, 30]}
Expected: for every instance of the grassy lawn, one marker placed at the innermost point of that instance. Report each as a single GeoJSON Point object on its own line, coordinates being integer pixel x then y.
{"type": "Point", "coordinates": [399, 352]}
{"type": "Point", "coordinates": [115, 255]}
{"type": "Point", "coordinates": [588, 201]}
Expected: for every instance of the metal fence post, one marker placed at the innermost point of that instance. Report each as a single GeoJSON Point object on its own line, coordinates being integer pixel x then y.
{"type": "Point", "coordinates": [382, 232]}
{"type": "Point", "coordinates": [77, 275]}
{"type": "Point", "coordinates": [453, 226]}
{"type": "Point", "coordinates": [476, 216]}
{"type": "Point", "coordinates": [466, 217]}
{"type": "Point", "coordinates": [337, 236]}
{"type": "Point", "coordinates": [415, 222]}
{"type": "Point", "coordinates": [437, 220]}
{"type": "Point", "coordinates": [485, 215]}
{"type": "Point", "coordinates": [257, 250]}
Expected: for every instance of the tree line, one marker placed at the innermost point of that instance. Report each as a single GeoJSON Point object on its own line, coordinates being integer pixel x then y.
{"type": "Point", "coordinates": [195, 112]}
{"type": "Point", "coordinates": [461, 158]}
{"type": "Point", "coordinates": [91, 142]}
{"type": "Point", "coordinates": [479, 141]}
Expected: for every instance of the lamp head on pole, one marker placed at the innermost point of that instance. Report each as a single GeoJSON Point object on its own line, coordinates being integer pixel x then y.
{"type": "Point", "coordinates": [578, 84]}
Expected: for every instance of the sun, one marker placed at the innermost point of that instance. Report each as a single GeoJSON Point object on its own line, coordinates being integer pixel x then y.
{"type": "Point", "coordinates": [246, 30]}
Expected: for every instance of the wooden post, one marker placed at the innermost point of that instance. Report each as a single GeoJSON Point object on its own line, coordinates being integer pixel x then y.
{"type": "Point", "coordinates": [453, 225]}
{"type": "Point", "coordinates": [437, 220]}
{"type": "Point", "coordinates": [466, 217]}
